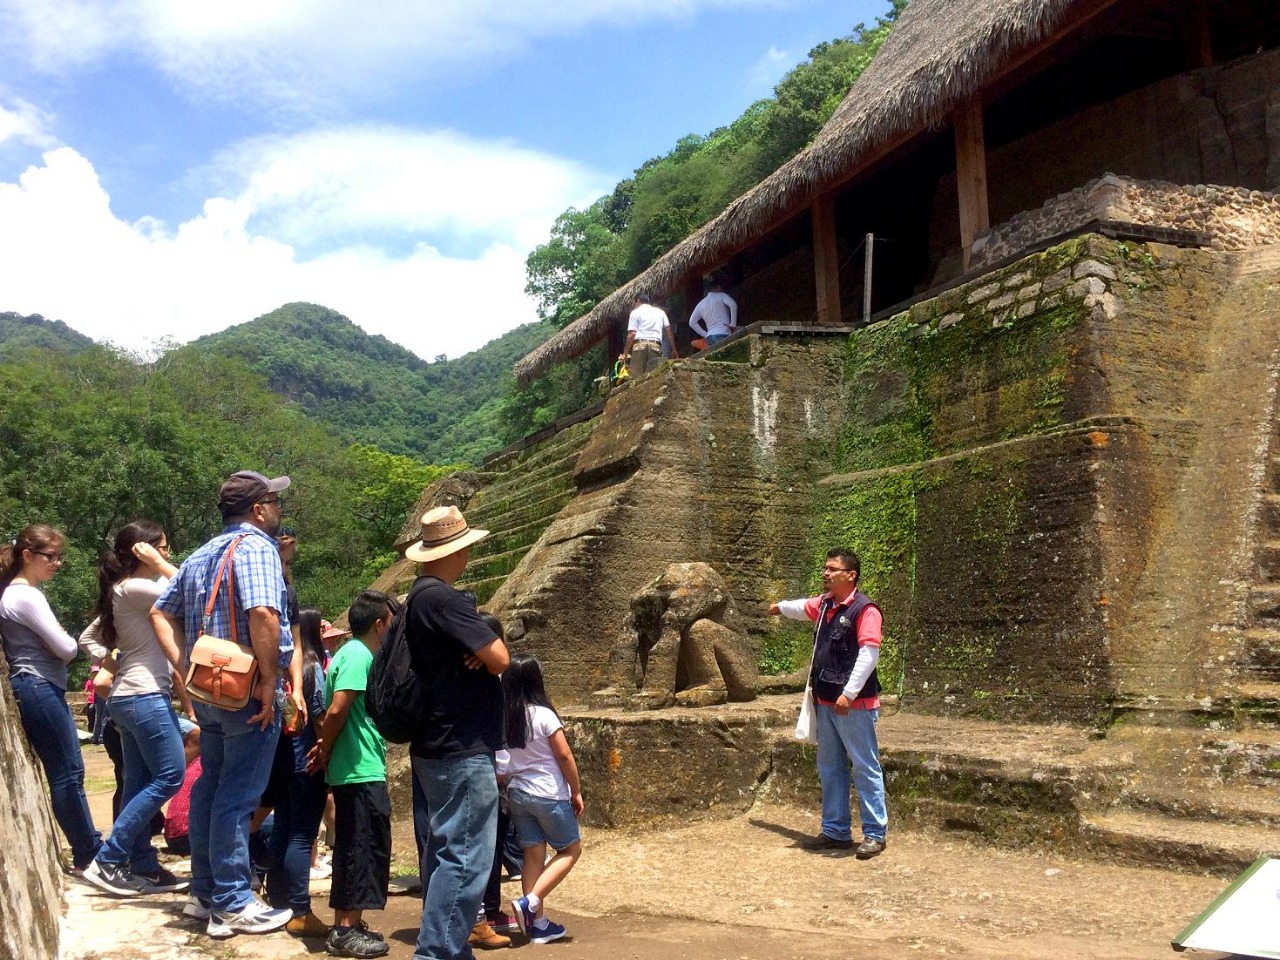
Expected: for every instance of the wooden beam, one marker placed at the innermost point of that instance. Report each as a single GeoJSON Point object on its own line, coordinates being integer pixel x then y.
{"type": "Point", "coordinates": [1198, 39]}
{"type": "Point", "coordinates": [826, 259]}
{"type": "Point", "coordinates": [971, 175]}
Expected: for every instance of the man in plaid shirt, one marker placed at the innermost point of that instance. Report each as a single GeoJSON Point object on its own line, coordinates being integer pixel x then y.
{"type": "Point", "coordinates": [237, 746]}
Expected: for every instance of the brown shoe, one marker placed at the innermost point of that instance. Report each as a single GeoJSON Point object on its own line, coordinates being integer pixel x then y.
{"type": "Point", "coordinates": [308, 925]}
{"type": "Point", "coordinates": [869, 848]}
{"type": "Point", "coordinates": [484, 937]}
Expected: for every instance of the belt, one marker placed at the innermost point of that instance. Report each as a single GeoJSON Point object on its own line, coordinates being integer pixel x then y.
{"type": "Point", "coordinates": [655, 343]}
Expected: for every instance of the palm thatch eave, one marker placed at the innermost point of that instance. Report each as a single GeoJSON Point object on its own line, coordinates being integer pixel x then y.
{"type": "Point", "coordinates": [939, 54]}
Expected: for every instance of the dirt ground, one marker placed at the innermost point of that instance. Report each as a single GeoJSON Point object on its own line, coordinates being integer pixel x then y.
{"type": "Point", "coordinates": [743, 888]}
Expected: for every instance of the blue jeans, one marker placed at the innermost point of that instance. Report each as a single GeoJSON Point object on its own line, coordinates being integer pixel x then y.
{"type": "Point", "coordinates": [841, 740]}
{"type": "Point", "coordinates": [51, 731]}
{"type": "Point", "coordinates": [297, 821]}
{"type": "Point", "coordinates": [154, 765]}
{"type": "Point", "coordinates": [236, 759]}
{"type": "Point", "coordinates": [714, 338]}
{"type": "Point", "coordinates": [460, 815]}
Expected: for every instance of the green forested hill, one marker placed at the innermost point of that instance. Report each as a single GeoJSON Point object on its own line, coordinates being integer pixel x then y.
{"type": "Point", "coordinates": [372, 391]}
{"type": "Point", "coordinates": [19, 333]}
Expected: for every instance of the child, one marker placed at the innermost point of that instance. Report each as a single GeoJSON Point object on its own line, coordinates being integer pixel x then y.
{"type": "Point", "coordinates": [543, 791]}
{"type": "Point", "coordinates": [355, 758]}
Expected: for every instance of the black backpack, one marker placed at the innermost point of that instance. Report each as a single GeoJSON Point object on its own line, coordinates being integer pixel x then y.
{"type": "Point", "coordinates": [395, 697]}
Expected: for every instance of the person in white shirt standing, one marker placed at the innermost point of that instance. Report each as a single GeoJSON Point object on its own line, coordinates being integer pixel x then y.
{"type": "Point", "coordinates": [715, 318]}
{"type": "Point", "coordinates": [646, 328]}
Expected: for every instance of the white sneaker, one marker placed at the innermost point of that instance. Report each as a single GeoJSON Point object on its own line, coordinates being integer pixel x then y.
{"type": "Point", "coordinates": [253, 917]}
{"type": "Point", "coordinates": [197, 909]}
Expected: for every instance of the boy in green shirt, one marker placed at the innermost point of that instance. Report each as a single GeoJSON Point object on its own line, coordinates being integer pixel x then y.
{"type": "Point", "coordinates": [355, 760]}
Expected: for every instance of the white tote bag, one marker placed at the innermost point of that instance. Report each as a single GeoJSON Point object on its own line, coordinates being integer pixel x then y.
{"type": "Point", "coordinates": [807, 725]}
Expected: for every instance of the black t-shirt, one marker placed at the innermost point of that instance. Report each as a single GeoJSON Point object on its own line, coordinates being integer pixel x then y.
{"type": "Point", "coordinates": [465, 713]}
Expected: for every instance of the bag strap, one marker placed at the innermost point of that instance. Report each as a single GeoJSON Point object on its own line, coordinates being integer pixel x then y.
{"type": "Point", "coordinates": [403, 613]}
{"type": "Point", "coordinates": [229, 568]}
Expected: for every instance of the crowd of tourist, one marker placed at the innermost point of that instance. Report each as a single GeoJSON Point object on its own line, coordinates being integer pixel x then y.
{"type": "Point", "coordinates": [271, 727]}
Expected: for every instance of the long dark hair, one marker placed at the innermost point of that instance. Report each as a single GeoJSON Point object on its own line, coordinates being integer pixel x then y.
{"type": "Point", "coordinates": [312, 647]}
{"type": "Point", "coordinates": [36, 537]}
{"type": "Point", "coordinates": [522, 688]}
{"type": "Point", "coordinates": [118, 564]}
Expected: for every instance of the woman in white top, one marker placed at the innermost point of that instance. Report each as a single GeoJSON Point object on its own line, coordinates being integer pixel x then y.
{"type": "Point", "coordinates": [141, 707]}
{"type": "Point", "coordinates": [38, 651]}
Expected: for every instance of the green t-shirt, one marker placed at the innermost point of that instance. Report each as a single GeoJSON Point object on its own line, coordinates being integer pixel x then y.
{"type": "Point", "coordinates": [360, 755]}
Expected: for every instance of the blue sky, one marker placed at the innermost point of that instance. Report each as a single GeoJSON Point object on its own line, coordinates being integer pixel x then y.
{"type": "Point", "coordinates": [169, 168]}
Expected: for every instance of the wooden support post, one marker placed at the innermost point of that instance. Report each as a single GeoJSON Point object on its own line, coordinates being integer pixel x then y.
{"type": "Point", "coordinates": [868, 262]}
{"type": "Point", "coordinates": [971, 175]}
{"type": "Point", "coordinates": [826, 259]}
{"type": "Point", "coordinates": [1199, 40]}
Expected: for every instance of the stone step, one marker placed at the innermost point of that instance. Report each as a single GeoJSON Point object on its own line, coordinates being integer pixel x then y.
{"type": "Point", "coordinates": [553, 448]}
{"type": "Point", "coordinates": [1264, 604]}
{"type": "Point", "coordinates": [1174, 843]}
{"type": "Point", "coordinates": [1260, 654]}
{"type": "Point", "coordinates": [519, 481]}
{"type": "Point", "coordinates": [1267, 557]}
{"type": "Point", "coordinates": [542, 509]}
{"type": "Point", "coordinates": [1206, 799]}
{"type": "Point", "coordinates": [1270, 515]}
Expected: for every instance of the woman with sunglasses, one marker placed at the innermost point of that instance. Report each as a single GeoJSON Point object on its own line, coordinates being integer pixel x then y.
{"type": "Point", "coordinates": [38, 651]}
{"type": "Point", "coordinates": [141, 707]}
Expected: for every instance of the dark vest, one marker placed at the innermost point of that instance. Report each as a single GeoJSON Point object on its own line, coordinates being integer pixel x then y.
{"type": "Point", "coordinates": [836, 649]}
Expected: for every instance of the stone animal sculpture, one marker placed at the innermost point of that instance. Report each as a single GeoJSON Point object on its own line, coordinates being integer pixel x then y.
{"type": "Point", "coordinates": [683, 645]}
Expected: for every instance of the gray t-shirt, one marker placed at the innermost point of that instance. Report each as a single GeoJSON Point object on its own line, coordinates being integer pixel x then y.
{"type": "Point", "coordinates": [34, 641]}
{"type": "Point", "coordinates": [143, 667]}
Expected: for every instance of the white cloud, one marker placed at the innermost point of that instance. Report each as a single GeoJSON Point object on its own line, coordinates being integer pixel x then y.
{"type": "Point", "coordinates": [375, 182]}
{"type": "Point", "coordinates": [26, 124]}
{"type": "Point", "coordinates": [306, 51]}
{"type": "Point", "coordinates": [769, 69]}
{"type": "Point", "coordinates": [65, 255]}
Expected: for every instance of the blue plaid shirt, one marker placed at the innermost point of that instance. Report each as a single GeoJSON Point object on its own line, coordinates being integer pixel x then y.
{"type": "Point", "coordinates": [259, 583]}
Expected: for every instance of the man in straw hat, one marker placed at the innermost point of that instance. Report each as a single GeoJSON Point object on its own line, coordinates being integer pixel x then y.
{"type": "Point", "coordinates": [458, 657]}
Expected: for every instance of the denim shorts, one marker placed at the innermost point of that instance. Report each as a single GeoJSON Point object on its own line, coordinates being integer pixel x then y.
{"type": "Point", "coordinates": [543, 820]}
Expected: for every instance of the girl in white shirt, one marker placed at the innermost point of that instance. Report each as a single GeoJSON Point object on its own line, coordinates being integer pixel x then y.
{"type": "Point", "coordinates": [544, 794]}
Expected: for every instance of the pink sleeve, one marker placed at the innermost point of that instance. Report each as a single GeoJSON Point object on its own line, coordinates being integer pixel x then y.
{"type": "Point", "coordinates": [870, 625]}
{"type": "Point", "coordinates": [811, 608]}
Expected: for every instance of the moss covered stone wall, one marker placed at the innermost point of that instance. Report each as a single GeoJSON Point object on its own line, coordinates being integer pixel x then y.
{"type": "Point", "coordinates": [995, 472]}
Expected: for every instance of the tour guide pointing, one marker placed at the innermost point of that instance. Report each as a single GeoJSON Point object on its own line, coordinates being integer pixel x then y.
{"type": "Point", "coordinates": [846, 691]}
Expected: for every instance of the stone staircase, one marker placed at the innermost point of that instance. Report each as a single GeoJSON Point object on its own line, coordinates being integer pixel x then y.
{"type": "Point", "coordinates": [524, 494]}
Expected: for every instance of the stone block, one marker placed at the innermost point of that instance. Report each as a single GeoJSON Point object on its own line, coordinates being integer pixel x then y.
{"type": "Point", "coordinates": [984, 292]}
{"type": "Point", "coordinates": [1030, 292]}
{"type": "Point", "coordinates": [1000, 302]}
{"type": "Point", "coordinates": [1017, 280]}
{"type": "Point", "coordinates": [1058, 280]}
{"type": "Point", "coordinates": [1026, 309]}
{"type": "Point", "coordinates": [1092, 268]}
{"type": "Point", "coordinates": [1089, 286]}
{"type": "Point", "coordinates": [949, 320]}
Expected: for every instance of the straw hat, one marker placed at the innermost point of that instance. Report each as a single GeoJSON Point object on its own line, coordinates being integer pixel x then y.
{"type": "Point", "coordinates": [444, 531]}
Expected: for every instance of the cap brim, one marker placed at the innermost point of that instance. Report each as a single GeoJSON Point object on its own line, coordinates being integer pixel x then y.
{"type": "Point", "coordinates": [422, 554]}
{"type": "Point", "coordinates": [277, 484]}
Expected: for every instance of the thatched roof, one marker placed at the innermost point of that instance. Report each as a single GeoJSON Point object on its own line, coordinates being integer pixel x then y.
{"type": "Point", "coordinates": [939, 53]}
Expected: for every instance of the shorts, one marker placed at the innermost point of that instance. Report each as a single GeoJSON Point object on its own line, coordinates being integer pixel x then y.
{"type": "Point", "coordinates": [185, 727]}
{"type": "Point", "coordinates": [361, 846]}
{"type": "Point", "coordinates": [543, 820]}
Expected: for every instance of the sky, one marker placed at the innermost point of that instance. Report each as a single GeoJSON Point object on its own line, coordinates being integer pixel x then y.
{"type": "Point", "coordinates": [169, 168]}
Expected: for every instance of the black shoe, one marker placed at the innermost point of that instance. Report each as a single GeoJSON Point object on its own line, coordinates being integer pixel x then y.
{"type": "Point", "coordinates": [354, 942]}
{"type": "Point", "coordinates": [115, 879]}
{"type": "Point", "coordinates": [823, 842]}
{"type": "Point", "coordinates": [869, 848]}
{"type": "Point", "coordinates": [164, 881]}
